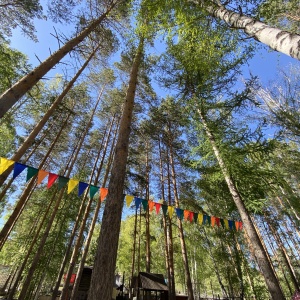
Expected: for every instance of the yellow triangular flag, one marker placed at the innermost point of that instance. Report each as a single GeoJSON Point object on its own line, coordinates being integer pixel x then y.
{"type": "Point", "coordinates": [200, 219]}
{"type": "Point", "coordinates": [42, 174]}
{"type": "Point", "coordinates": [5, 164]}
{"type": "Point", "coordinates": [226, 223]}
{"type": "Point", "coordinates": [72, 184]}
{"type": "Point", "coordinates": [171, 211]}
{"type": "Point", "coordinates": [128, 199]}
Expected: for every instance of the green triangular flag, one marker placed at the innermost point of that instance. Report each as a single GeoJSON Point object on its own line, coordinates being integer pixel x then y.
{"type": "Point", "coordinates": [93, 191]}
{"type": "Point", "coordinates": [164, 208]}
{"type": "Point", "coordinates": [145, 204]}
{"type": "Point", "coordinates": [62, 181]}
{"type": "Point", "coordinates": [31, 172]}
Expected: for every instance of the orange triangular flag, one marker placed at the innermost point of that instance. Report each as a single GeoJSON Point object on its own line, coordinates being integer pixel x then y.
{"type": "Point", "coordinates": [103, 193]}
{"type": "Point", "coordinates": [72, 184]}
{"type": "Point", "coordinates": [237, 225]}
{"type": "Point", "coordinates": [5, 164]}
{"type": "Point", "coordinates": [42, 174]}
{"type": "Point", "coordinates": [151, 205]}
{"type": "Point", "coordinates": [213, 221]}
{"type": "Point", "coordinates": [186, 214]}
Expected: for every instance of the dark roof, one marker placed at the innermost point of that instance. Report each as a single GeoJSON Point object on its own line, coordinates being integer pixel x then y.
{"type": "Point", "coordinates": [153, 282]}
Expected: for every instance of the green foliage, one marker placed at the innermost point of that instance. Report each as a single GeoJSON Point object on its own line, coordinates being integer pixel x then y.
{"type": "Point", "coordinates": [282, 14]}
{"type": "Point", "coordinates": [19, 14]}
{"type": "Point", "coordinates": [13, 65]}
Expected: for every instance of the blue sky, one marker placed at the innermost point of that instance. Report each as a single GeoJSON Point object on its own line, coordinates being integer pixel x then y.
{"type": "Point", "coordinates": [265, 64]}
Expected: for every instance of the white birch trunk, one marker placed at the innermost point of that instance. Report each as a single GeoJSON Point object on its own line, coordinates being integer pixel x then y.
{"type": "Point", "coordinates": [277, 39]}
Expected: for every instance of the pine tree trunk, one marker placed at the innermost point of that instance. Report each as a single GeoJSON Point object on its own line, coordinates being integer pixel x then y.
{"type": "Point", "coordinates": [147, 217]}
{"type": "Point", "coordinates": [86, 214]}
{"type": "Point", "coordinates": [103, 273]}
{"type": "Point", "coordinates": [95, 217]}
{"type": "Point", "coordinates": [167, 234]}
{"type": "Point", "coordinates": [275, 257]}
{"type": "Point", "coordinates": [277, 39]}
{"type": "Point", "coordinates": [39, 251]}
{"type": "Point", "coordinates": [170, 235]}
{"type": "Point", "coordinates": [180, 228]}
{"type": "Point", "coordinates": [38, 127]}
{"type": "Point", "coordinates": [29, 252]}
{"type": "Point", "coordinates": [67, 252]}
{"type": "Point", "coordinates": [284, 255]}
{"type": "Point", "coordinates": [260, 253]}
{"type": "Point", "coordinates": [13, 94]}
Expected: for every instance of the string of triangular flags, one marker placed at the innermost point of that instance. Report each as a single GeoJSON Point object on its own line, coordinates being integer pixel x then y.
{"type": "Point", "coordinates": [147, 204]}
{"type": "Point", "coordinates": [197, 218]}
{"type": "Point", "coordinates": [71, 183]}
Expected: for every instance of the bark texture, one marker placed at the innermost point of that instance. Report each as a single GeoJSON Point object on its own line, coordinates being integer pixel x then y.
{"type": "Point", "coordinates": [104, 267]}
{"type": "Point", "coordinates": [277, 39]}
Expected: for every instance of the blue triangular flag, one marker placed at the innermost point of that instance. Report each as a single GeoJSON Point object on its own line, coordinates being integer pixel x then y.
{"type": "Point", "coordinates": [179, 213]}
{"type": "Point", "coordinates": [18, 168]}
{"type": "Point", "coordinates": [137, 202]}
{"type": "Point", "coordinates": [81, 187]}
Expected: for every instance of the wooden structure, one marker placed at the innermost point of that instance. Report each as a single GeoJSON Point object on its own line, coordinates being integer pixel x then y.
{"type": "Point", "coordinates": [149, 286]}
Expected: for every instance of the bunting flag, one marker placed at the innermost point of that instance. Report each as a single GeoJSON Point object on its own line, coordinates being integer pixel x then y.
{"type": "Point", "coordinates": [226, 224]}
{"type": "Point", "coordinates": [157, 206]}
{"type": "Point", "coordinates": [170, 211]}
{"type": "Point", "coordinates": [51, 179]}
{"type": "Point", "coordinates": [42, 174]}
{"type": "Point", "coordinates": [213, 221]}
{"type": "Point", "coordinates": [200, 219]}
{"type": "Point", "coordinates": [93, 191]}
{"type": "Point", "coordinates": [137, 202]}
{"type": "Point", "coordinates": [72, 184]}
{"type": "Point", "coordinates": [191, 216]}
{"type": "Point", "coordinates": [62, 182]}
{"type": "Point", "coordinates": [164, 209]}
{"type": "Point", "coordinates": [31, 172]}
{"type": "Point", "coordinates": [222, 223]}
{"type": "Point", "coordinates": [179, 213]}
{"type": "Point", "coordinates": [103, 193]}
{"type": "Point", "coordinates": [82, 186]}
{"type": "Point", "coordinates": [151, 205]}
{"type": "Point", "coordinates": [5, 164]}
{"type": "Point", "coordinates": [186, 214]}
{"type": "Point", "coordinates": [128, 200]}
{"type": "Point", "coordinates": [196, 217]}
{"type": "Point", "coordinates": [147, 204]}
{"type": "Point", "coordinates": [18, 169]}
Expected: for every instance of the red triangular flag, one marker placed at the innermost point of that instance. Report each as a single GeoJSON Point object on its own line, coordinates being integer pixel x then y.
{"type": "Point", "coordinates": [157, 206]}
{"type": "Point", "coordinates": [191, 216]}
{"type": "Point", "coordinates": [51, 179]}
